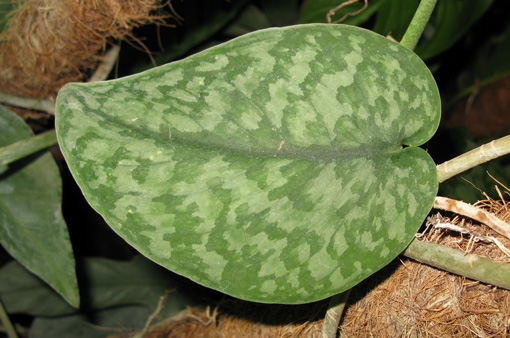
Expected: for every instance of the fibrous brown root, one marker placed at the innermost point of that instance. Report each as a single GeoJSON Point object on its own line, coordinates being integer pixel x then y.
{"type": "Point", "coordinates": [48, 43]}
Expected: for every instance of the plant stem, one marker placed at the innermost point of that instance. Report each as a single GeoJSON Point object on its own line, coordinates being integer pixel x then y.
{"type": "Point", "coordinates": [27, 102]}
{"type": "Point", "coordinates": [27, 147]}
{"type": "Point", "coordinates": [333, 315]}
{"type": "Point", "coordinates": [471, 159]}
{"type": "Point", "coordinates": [418, 23]}
{"type": "Point", "coordinates": [473, 212]}
{"type": "Point", "coordinates": [469, 265]}
{"type": "Point", "coordinates": [4, 319]}
{"type": "Point", "coordinates": [106, 66]}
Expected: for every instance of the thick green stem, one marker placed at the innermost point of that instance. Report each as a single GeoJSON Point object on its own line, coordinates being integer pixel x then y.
{"type": "Point", "coordinates": [27, 147]}
{"type": "Point", "coordinates": [4, 319]}
{"type": "Point", "coordinates": [471, 159]}
{"type": "Point", "coordinates": [334, 314]}
{"type": "Point", "coordinates": [472, 266]}
{"type": "Point", "coordinates": [418, 23]}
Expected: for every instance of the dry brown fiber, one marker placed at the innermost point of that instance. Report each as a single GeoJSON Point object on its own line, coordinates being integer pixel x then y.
{"type": "Point", "coordinates": [48, 43]}
{"type": "Point", "coordinates": [406, 299]}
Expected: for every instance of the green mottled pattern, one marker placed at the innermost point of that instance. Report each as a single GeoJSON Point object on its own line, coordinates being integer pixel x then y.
{"type": "Point", "coordinates": [271, 167]}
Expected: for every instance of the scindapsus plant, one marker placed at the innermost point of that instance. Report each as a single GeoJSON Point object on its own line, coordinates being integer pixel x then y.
{"type": "Point", "coordinates": [280, 167]}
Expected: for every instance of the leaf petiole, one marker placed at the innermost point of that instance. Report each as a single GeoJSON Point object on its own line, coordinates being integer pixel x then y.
{"type": "Point", "coordinates": [471, 159]}
{"type": "Point", "coordinates": [418, 23]}
{"type": "Point", "coordinates": [28, 146]}
{"type": "Point", "coordinates": [4, 319]}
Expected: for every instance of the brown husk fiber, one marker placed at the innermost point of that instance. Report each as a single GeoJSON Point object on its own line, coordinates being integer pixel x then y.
{"type": "Point", "coordinates": [405, 299]}
{"type": "Point", "coordinates": [415, 301]}
{"type": "Point", "coordinates": [420, 301]}
{"type": "Point", "coordinates": [48, 43]}
{"type": "Point", "coordinates": [235, 318]}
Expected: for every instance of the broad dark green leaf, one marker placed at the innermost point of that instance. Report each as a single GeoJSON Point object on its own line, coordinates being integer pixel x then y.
{"type": "Point", "coordinates": [252, 18]}
{"type": "Point", "coordinates": [121, 321]}
{"type": "Point", "coordinates": [23, 292]}
{"type": "Point", "coordinates": [107, 283]}
{"type": "Point", "coordinates": [449, 22]}
{"type": "Point", "coordinates": [280, 13]}
{"type": "Point", "coordinates": [394, 16]}
{"type": "Point", "coordinates": [272, 168]}
{"type": "Point", "coordinates": [264, 14]}
{"type": "Point", "coordinates": [201, 19]}
{"type": "Point", "coordinates": [32, 228]}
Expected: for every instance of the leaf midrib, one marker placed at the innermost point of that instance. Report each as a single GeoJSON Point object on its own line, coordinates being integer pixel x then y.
{"type": "Point", "coordinates": [282, 150]}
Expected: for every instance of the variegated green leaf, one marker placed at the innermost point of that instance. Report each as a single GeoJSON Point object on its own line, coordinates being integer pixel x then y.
{"type": "Point", "coordinates": [271, 167]}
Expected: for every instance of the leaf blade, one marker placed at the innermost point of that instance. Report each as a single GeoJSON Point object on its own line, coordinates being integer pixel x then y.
{"type": "Point", "coordinates": [32, 228]}
{"type": "Point", "coordinates": [233, 166]}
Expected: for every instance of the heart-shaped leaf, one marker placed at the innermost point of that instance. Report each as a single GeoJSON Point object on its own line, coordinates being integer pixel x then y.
{"type": "Point", "coordinates": [271, 167]}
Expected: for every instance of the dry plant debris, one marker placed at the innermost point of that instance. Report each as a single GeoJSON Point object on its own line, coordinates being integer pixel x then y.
{"type": "Point", "coordinates": [470, 236]}
{"type": "Point", "coordinates": [236, 318]}
{"type": "Point", "coordinates": [48, 43]}
{"type": "Point", "coordinates": [420, 301]}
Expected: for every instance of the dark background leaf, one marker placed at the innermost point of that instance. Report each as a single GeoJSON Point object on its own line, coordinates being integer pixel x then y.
{"type": "Point", "coordinates": [32, 228]}
{"type": "Point", "coordinates": [121, 320]}
{"type": "Point", "coordinates": [450, 20]}
{"type": "Point", "coordinates": [104, 283]}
